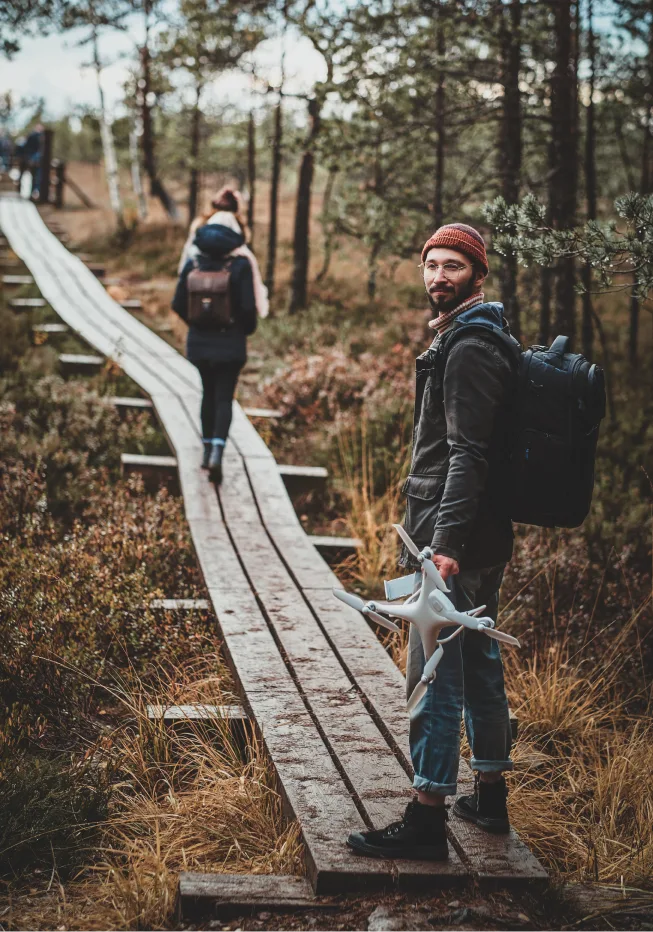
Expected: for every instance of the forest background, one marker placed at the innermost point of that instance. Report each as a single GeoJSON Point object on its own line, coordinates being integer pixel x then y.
{"type": "Point", "coordinates": [424, 112]}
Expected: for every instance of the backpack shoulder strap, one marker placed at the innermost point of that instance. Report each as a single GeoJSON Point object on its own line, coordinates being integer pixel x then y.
{"type": "Point", "coordinates": [501, 338]}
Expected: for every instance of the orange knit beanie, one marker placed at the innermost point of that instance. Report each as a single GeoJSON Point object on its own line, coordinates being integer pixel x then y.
{"type": "Point", "coordinates": [463, 239]}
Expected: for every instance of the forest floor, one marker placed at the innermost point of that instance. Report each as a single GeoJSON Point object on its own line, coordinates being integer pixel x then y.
{"type": "Point", "coordinates": [581, 603]}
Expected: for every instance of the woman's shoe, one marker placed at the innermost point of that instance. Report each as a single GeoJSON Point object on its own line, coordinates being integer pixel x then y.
{"type": "Point", "coordinates": [207, 454]}
{"type": "Point", "coordinates": [215, 463]}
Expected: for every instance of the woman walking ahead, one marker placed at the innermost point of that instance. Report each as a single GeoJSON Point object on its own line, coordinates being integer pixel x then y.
{"type": "Point", "coordinates": [219, 295]}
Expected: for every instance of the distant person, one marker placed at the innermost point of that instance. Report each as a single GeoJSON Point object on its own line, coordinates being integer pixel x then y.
{"type": "Point", "coordinates": [221, 311]}
{"type": "Point", "coordinates": [6, 151]}
{"type": "Point", "coordinates": [32, 155]}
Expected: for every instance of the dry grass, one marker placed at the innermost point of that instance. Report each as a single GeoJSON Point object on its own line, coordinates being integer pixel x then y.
{"type": "Point", "coordinates": [581, 794]}
{"type": "Point", "coordinates": [189, 799]}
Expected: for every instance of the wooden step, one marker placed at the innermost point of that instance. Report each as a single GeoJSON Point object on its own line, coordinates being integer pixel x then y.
{"type": "Point", "coordinates": [335, 549]}
{"type": "Point", "coordinates": [299, 480]}
{"type": "Point", "coordinates": [123, 404]}
{"type": "Point", "coordinates": [204, 896]}
{"type": "Point", "coordinates": [131, 304]}
{"type": "Point", "coordinates": [26, 304]}
{"type": "Point", "coordinates": [181, 605]}
{"type": "Point", "coordinates": [9, 262]}
{"type": "Point", "coordinates": [80, 364]}
{"type": "Point", "coordinates": [196, 712]}
{"type": "Point", "coordinates": [263, 412]}
{"type": "Point", "coordinates": [98, 270]}
{"type": "Point", "coordinates": [50, 328]}
{"type": "Point", "coordinates": [155, 470]}
{"type": "Point", "coordinates": [15, 281]}
{"type": "Point", "coordinates": [221, 720]}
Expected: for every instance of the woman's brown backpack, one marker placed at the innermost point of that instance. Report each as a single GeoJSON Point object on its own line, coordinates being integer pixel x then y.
{"type": "Point", "coordinates": [209, 299]}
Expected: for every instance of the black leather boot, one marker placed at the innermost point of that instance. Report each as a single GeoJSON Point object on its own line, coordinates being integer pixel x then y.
{"type": "Point", "coordinates": [486, 807]}
{"type": "Point", "coordinates": [420, 836]}
{"type": "Point", "coordinates": [215, 463]}
{"type": "Point", "coordinates": [207, 454]}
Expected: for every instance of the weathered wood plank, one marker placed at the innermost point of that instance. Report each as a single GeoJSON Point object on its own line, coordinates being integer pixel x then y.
{"type": "Point", "coordinates": [195, 713]}
{"type": "Point", "coordinates": [263, 413]}
{"type": "Point", "coordinates": [50, 328]}
{"type": "Point", "coordinates": [80, 363]}
{"type": "Point", "coordinates": [335, 549]}
{"type": "Point", "coordinates": [24, 304]}
{"type": "Point", "coordinates": [131, 304]}
{"type": "Point", "coordinates": [302, 479]}
{"type": "Point", "coordinates": [180, 605]}
{"type": "Point", "coordinates": [154, 470]}
{"type": "Point", "coordinates": [202, 896]}
{"type": "Point", "coordinates": [14, 281]}
{"type": "Point", "coordinates": [123, 404]}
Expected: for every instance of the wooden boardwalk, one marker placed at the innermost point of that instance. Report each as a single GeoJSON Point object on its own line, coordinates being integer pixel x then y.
{"type": "Point", "coordinates": [321, 690]}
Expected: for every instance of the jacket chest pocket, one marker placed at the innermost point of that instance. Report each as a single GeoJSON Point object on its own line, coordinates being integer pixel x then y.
{"type": "Point", "coordinates": [432, 396]}
{"type": "Point", "coordinates": [423, 497]}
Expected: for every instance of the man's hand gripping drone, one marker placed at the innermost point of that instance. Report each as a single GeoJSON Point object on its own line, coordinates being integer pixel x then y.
{"type": "Point", "coordinates": [430, 611]}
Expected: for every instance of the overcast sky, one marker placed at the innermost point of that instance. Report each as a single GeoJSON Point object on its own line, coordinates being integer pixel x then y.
{"type": "Point", "coordinates": [52, 68]}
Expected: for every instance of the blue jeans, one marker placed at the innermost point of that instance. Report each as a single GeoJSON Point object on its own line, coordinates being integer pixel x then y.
{"type": "Point", "coordinates": [470, 679]}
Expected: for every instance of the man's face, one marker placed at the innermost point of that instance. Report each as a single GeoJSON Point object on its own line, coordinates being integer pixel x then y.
{"type": "Point", "coordinates": [449, 278]}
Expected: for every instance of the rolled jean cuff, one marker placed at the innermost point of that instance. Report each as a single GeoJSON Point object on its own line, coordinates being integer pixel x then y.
{"type": "Point", "coordinates": [491, 766]}
{"type": "Point", "coordinates": [428, 786]}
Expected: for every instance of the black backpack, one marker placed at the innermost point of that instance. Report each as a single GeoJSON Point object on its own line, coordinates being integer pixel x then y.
{"type": "Point", "coordinates": [557, 408]}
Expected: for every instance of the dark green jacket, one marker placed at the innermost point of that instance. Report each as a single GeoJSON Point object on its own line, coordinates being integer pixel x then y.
{"type": "Point", "coordinates": [464, 384]}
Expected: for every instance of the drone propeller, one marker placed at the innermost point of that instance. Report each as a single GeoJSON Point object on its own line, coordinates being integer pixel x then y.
{"type": "Point", "coordinates": [499, 635]}
{"type": "Point", "coordinates": [359, 604]}
{"type": "Point", "coordinates": [430, 568]}
{"type": "Point", "coordinates": [428, 675]}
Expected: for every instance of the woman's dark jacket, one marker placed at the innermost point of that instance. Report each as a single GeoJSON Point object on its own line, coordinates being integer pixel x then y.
{"type": "Point", "coordinates": [464, 385]}
{"type": "Point", "coordinates": [214, 242]}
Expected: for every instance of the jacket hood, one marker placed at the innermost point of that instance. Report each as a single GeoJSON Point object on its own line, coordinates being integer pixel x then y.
{"type": "Point", "coordinates": [490, 314]}
{"type": "Point", "coordinates": [215, 240]}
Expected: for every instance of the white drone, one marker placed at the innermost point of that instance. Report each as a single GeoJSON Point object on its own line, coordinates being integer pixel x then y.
{"type": "Point", "coordinates": [430, 611]}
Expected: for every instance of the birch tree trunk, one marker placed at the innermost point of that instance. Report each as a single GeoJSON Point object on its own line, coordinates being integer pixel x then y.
{"type": "Point", "coordinates": [108, 147]}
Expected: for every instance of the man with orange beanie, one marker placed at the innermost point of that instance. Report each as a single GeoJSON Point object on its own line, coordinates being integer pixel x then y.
{"type": "Point", "coordinates": [464, 383]}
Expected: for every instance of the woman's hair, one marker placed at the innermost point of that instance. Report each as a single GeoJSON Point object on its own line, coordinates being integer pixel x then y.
{"type": "Point", "coordinates": [231, 200]}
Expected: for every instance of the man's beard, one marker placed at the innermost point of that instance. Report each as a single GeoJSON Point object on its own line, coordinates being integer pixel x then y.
{"type": "Point", "coordinates": [449, 300]}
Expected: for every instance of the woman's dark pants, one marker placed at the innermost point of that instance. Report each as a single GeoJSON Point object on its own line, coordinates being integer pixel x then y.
{"type": "Point", "coordinates": [219, 384]}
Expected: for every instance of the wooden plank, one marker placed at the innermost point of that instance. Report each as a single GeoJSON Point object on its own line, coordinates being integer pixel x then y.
{"type": "Point", "coordinates": [131, 304]}
{"type": "Point", "coordinates": [300, 480]}
{"type": "Point", "coordinates": [263, 413]}
{"type": "Point", "coordinates": [228, 724]}
{"type": "Point", "coordinates": [180, 605]}
{"type": "Point", "coordinates": [97, 270]}
{"type": "Point", "coordinates": [80, 363]}
{"type": "Point", "coordinates": [123, 403]}
{"type": "Point", "coordinates": [24, 304]}
{"type": "Point", "coordinates": [154, 470]}
{"type": "Point", "coordinates": [14, 281]}
{"type": "Point", "coordinates": [50, 328]}
{"type": "Point", "coordinates": [335, 549]}
{"type": "Point", "coordinates": [201, 896]}
{"type": "Point", "coordinates": [195, 713]}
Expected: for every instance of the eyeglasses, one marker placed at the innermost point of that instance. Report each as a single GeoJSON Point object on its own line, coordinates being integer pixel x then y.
{"type": "Point", "coordinates": [450, 270]}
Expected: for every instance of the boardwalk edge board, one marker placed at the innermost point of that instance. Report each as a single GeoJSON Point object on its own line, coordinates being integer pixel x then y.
{"type": "Point", "coordinates": [268, 629]}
